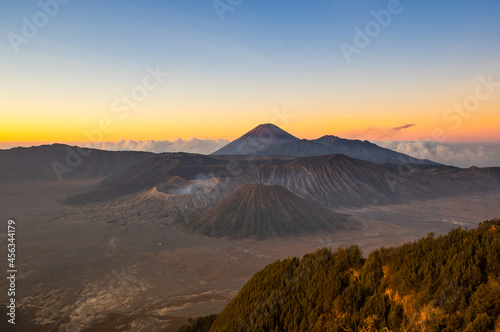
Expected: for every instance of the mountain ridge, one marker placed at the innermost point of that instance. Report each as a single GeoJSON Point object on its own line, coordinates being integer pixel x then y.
{"type": "Point", "coordinates": [285, 144]}
{"type": "Point", "coordinates": [331, 181]}
{"type": "Point", "coordinates": [46, 162]}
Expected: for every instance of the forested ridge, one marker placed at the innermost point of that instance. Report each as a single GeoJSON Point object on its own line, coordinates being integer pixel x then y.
{"type": "Point", "coordinates": [445, 283]}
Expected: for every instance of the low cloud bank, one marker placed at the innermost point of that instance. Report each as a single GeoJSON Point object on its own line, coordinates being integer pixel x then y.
{"type": "Point", "coordinates": [456, 154]}
{"type": "Point", "coordinates": [192, 145]}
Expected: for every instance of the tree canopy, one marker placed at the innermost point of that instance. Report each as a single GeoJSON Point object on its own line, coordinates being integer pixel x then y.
{"type": "Point", "coordinates": [445, 283]}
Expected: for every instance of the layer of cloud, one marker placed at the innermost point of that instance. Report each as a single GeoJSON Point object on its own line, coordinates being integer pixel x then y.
{"type": "Point", "coordinates": [403, 127]}
{"type": "Point", "coordinates": [192, 145]}
{"type": "Point", "coordinates": [381, 133]}
{"type": "Point", "coordinates": [456, 154]}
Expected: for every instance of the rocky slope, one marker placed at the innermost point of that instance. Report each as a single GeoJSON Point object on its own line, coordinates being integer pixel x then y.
{"type": "Point", "coordinates": [264, 211]}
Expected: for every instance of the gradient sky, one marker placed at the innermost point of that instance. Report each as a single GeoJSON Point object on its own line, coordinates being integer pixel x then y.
{"type": "Point", "coordinates": [227, 76]}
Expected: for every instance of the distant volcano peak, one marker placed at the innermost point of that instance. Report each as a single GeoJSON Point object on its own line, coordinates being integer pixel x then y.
{"type": "Point", "coordinates": [257, 140]}
{"type": "Point", "coordinates": [269, 130]}
{"type": "Point", "coordinates": [268, 139]}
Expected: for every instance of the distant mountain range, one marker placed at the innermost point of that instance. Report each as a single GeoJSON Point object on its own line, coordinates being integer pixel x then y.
{"type": "Point", "coordinates": [270, 140]}
{"type": "Point", "coordinates": [200, 195]}
{"type": "Point", "coordinates": [58, 161]}
{"type": "Point", "coordinates": [261, 190]}
{"type": "Point", "coordinates": [329, 181]}
{"type": "Point", "coordinates": [46, 162]}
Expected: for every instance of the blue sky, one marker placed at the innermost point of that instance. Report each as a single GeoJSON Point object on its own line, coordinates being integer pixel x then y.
{"type": "Point", "coordinates": [263, 55]}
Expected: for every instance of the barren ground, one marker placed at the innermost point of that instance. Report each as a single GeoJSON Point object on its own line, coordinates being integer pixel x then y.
{"type": "Point", "coordinates": [81, 267]}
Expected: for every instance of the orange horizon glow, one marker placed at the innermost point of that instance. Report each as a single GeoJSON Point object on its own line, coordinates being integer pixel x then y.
{"type": "Point", "coordinates": [149, 123]}
{"type": "Point", "coordinates": [480, 130]}
{"type": "Point", "coordinates": [371, 119]}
